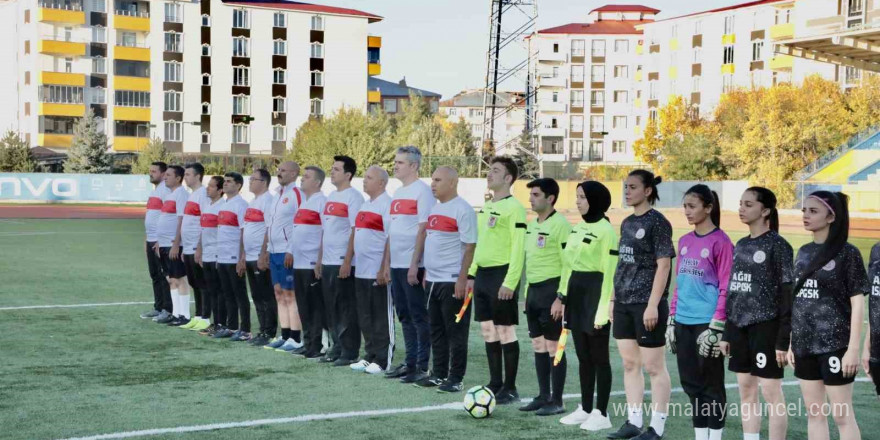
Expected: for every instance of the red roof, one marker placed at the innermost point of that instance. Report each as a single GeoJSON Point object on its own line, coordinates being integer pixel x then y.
{"type": "Point", "coordinates": [728, 8]}
{"type": "Point", "coordinates": [625, 8]}
{"type": "Point", "coordinates": [599, 27]}
{"type": "Point", "coordinates": [305, 7]}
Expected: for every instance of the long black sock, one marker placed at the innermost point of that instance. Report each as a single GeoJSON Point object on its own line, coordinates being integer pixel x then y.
{"type": "Point", "coordinates": [295, 335]}
{"type": "Point", "coordinates": [285, 333]}
{"type": "Point", "coordinates": [558, 375]}
{"type": "Point", "coordinates": [542, 367]}
{"type": "Point", "coordinates": [511, 364]}
{"type": "Point", "coordinates": [493, 353]}
{"type": "Point", "coordinates": [603, 387]}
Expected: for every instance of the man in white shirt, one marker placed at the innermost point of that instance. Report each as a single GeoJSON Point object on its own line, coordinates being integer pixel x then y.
{"type": "Point", "coordinates": [409, 214]}
{"type": "Point", "coordinates": [449, 250]}
{"type": "Point", "coordinates": [231, 260]}
{"type": "Point", "coordinates": [168, 244]}
{"type": "Point", "coordinates": [259, 280]}
{"type": "Point", "coordinates": [375, 316]}
{"type": "Point", "coordinates": [303, 256]}
{"type": "Point", "coordinates": [279, 228]}
{"type": "Point", "coordinates": [337, 261]}
{"type": "Point", "coordinates": [161, 294]}
{"type": "Point", "coordinates": [190, 233]}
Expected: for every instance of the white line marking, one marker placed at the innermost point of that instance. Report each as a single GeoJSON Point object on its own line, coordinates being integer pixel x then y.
{"type": "Point", "coordinates": [73, 306]}
{"type": "Point", "coordinates": [332, 416]}
{"type": "Point", "coordinates": [29, 233]}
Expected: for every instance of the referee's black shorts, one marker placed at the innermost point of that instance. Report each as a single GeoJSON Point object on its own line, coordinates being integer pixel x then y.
{"type": "Point", "coordinates": [487, 306]}
{"type": "Point", "coordinates": [539, 299]}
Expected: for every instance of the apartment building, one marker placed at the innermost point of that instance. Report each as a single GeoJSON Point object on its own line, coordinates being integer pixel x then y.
{"type": "Point", "coordinates": [590, 121]}
{"type": "Point", "coordinates": [510, 117]}
{"type": "Point", "coordinates": [213, 76]}
{"type": "Point", "coordinates": [389, 97]}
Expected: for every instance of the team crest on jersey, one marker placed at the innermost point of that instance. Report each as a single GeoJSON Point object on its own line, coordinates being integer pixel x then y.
{"type": "Point", "coordinates": [492, 221]}
{"type": "Point", "coordinates": [704, 253]}
{"type": "Point", "coordinates": [830, 266]}
{"type": "Point", "coordinates": [542, 240]}
{"type": "Point", "coordinates": [684, 250]}
{"type": "Point", "coordinates": [284, 200]}
{"type": "Point", "coordinates": [640, 234]}
{"type": "Point", "coordinates": [759, 257]}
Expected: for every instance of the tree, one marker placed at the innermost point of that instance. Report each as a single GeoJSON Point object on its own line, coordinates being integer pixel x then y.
{"type": "Point", "coordinates": [15, 154]}
{"type": "Point", "coordinates": [675, 120]}
{"type": "Point", "coordinates": [864, 103]}
{"type": "Point", "coordinates": [153, 152]}
{"type": "Point", "coordinates": [88, 153]}
{"type": "Point", "coordinates": [695, 156]}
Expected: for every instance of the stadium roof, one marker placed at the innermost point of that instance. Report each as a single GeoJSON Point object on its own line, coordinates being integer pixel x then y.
{"type": "Point", "coordinates": [599, 27]}
{"type": "Point", "coordinates": [625, 8]}
{"type": "Point", "coordinates": [304, 7]}
{"type": "Point", "coordinates": [400, 89]}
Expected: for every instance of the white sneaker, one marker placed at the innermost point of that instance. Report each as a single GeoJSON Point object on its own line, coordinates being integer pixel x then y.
{"type": "Point", "coordinates": [374, 368]}
{"type": "Point", "coordinates": [360, 365]}
{"type": "Point", "coordinates": [576, 418]}
{"type": "Point", "coordinates": [596, 422]}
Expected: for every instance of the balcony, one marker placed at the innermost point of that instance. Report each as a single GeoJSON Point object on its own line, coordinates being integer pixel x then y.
{"type": "Point", "coordinates": [131, 53]}
{"type": "Point", "coordinates": [728, 68]}
{"type": "Point", "coordinates": [637, 103]}
{"type": "Point", "coordinates": [549, 106]}
{"type": "Point", "coordinates": [131, 21]}
{"type": "Point", "coordinates": [53, 47]}
{"type": "Point", "coordinates": [673, 44]}
{"type": "Point", "coordinates": [673, 73]}
{"type": "Point", "coordinates": [548, 131]}
{"type": "Point", "coordinates": [131, 83]}
{"type": "Point", "coordinates": [73, 110]}
{"type": "Point", "coordinates": [781, 62]}
{"type": "Point", "coordinates": [50, 140]}
{"type": "Point", "coordinates": [56, 11]}
{"type": "Point", "coordinates": [638, 75]}
{"type": "Point", "coordinates": [374, 96]}
{"type": "Point", "coordinates": [129, 143]}
{"type": "Point", "coordinates": [63, 79]}
{"type": "Point", "coordinates": [374, 69]}
{"type": "Point", "coordinates": [728, 39]}
{"type": "Point", "coordinates": [640, 49]}
{"type": "Point", "coordinates": [374, 42]}
{"type": "Point", "coordinates": [552, 81]}
{"type": "Point", "coordinates": [782, 31]}
{"type": "Point", "coordinates": [548, 55]}
{"type": "Point", "coordinates": [131, 114]}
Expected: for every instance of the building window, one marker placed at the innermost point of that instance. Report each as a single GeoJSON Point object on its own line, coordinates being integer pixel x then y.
{"type": "Point", "coordinates": [698, 27]}
{"type": "Point", "coordinates": [577, 74]}
{"type": "Point", "coordinates": [851, 75]}
{"type": "Point", "coordinates": [99, 6]}
{"type": "Point", "coordinates": [61, 94]}
{"type": "Point", "coordinates": [99, 65]}
{"type": "Point", "coordinates": [577, 150]}
{"type": "Point", "coordinates": [555, 47]}
{"type": "Point", "coordinates": [728, 25]}
{"type": "Point", "coordinates": [279, 20]}
{"type": "Point", "coordinates": [173, 42]}
{"type": "Point", "coordinates": [127, 98]}
{"type": "Point", "coordinates": [595, 154]}
{"type": "Point", "coordinates": [173, 13]}
{"type": "Point", "coordinates": [241, 47]}
{"type": "Point", "coordinates": [317, 50]}
{"type": "Point", "coordinates": [240, 134]}
{"type": "Point", "coordinates": [390, 105]}
{"type": "Point", "coordinates": [279, 76]}
{"type": "Point", "coordinates": [695, 84]}
{"type": "Point", "coordinates": [727, 83]}
{"type": "Point", "coordinates": [673, 31]}
{"type": "Point", "coordinates": [597, 98]}
{"type": "Point", "coordinates": [652, 89]}
{"type": "Point", "coordinates": [68, 34]}
{"type": "Point", "coordinates": [578, 48]}
{"type": "Point", "coordinates": [317, 107]}
{"type": "Point", "coordinates": [555, 72]}
{"type": "Point", "coordinates": [855, 7]}
{"type": "Point", "coordinates": [555, 97]}
{"type": "Point", "coordinates": [652, 114]}
{"type": "Point", "coordinates": [577, 98]}
{"type": "Point", "coordinates": [553, 123]}
{"type": "Point", "coordinates": [206, 137]}
{"type": "Point", "coordinates": [206, 20]}
{"type": "Point", "coordinates": [698, 55]}
{"type": "Point", "coordinates": [619, 122]}
{"type": "Point", "coordinates": [173, 72]}
{"type": "Point", "coordinates": [621, 71]}
{"type": "Point", "coordinates": [618, 147]}
{"type": "Point", "coordinates": [757, 46]}
{"type": "Point", "coordinates": [317, 23]}
{"type": "Point", "coordinates": [577, 124]}
{"type": "Point", "coordinates": [172, 131]}
{"type": "Point", "coordinates": [279, 47]}
{"type": "Point", "coordinates": [206, 50]}
{"type": "Point", "coordinates": [621, 96]}
{"type": "Point", "coordinates": [278, 133]}
{"type": "Point", "coordinates": [172, 101]}
{"type": "Point", "coordinates": [597, 73]}
{"type": "Point", "coordinates": [206, 79]}
{"type": "Point", "coordinates": [317, 78]}
{"type": "Point", "coordinates": [241, 105]}
{"type": "Point", "coordinates": [728, 54]}
{"type": "Point", "coordinates": [279, 105]}
{"type": "Point", "coordinates": [241, 76]}
{"type": "Point", "coordinates": [99, 95]}
{"type": "Point", "coordinates": [672, 86]}
{"type": "Point", "coordinates": [621, 46]}
{"type": "Point", "coordinates": [598, 49]}
{"type": "Point", "coordinates": [597, 123]}
{"type": "Point", "coordinates": [552, 146]}
{"type": "Point", "coordinates": [206, 108]}
{"type": "Point", "coordinates": [475, 113]}
{"type": "Point", "coordinates": [68, 65]}
{"type": "Point", "coordinates": [99, 34]}
{"type": "Point", "coordinates": [27, 47]}
{"type": "Point", "coordinates": [129, 39]}
{"type": "Point", "coordinates": [240, 19]}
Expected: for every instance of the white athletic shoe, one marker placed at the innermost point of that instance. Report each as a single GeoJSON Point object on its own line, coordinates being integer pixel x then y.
{"type": "Point", "coordinates": [360, 365]}
{"type": "Point", "coordinates": [374, 368]}
{"type": "Point", "coordinates": [576, 418]}
{"type": "Point", "coordinates": [596, 422]}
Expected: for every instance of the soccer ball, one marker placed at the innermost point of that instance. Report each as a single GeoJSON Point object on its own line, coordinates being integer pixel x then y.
{"type": "Point", "coordinates": [479, 402]}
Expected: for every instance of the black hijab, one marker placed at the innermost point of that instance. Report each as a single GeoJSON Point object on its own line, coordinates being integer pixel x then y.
{"type": "Point", "coordinates": [599, 199]}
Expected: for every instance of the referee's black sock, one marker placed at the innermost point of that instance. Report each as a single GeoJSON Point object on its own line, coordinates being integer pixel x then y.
{"type": "Point", "coordinates": [511, 364]}
{"type": "Point", "coordinates": [493, 353]}
{"type": "Point", "coordinates": [285, 333]}
{"type": "Point", "coordinates": [542, 367]}
{"type": "Point", "coordinates": [559, 372]}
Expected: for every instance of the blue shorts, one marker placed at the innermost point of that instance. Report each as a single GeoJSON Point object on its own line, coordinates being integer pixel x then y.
{"type": "Point", "coordinates": [280, 274]}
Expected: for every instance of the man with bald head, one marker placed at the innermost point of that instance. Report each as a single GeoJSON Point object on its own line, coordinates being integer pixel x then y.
{"type": "Point", "coordinates": [373, 295]}
{"type": "Point", "coordinates": [449, 249]}
{"type": "Point", "coordinates": [279, 228]}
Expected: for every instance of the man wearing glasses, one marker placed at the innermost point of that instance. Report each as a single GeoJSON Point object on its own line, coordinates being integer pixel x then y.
{"type": "Point", "coordinates": [259, 281]}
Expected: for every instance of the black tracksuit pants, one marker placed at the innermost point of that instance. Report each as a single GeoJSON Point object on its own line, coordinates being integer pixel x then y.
{"type": "Point", "coordinates": [161, 290]}
{"type": "Point", "coordinates": [449, 339]}
{"type": "Point", "coordinates": [238, 308]}
{"type": "Point", "coordinates": [702, 378]}
{"type": "Point", "coordinates": [375, 318]}
{"type": "Point", "coordinates": [263, 294]}
{"type": "Point", "coordinates": [310, 303]}
{"type": "Point", "coordinates": [213, 293]}
{"type": "Point", "coordinates": [340, 307]}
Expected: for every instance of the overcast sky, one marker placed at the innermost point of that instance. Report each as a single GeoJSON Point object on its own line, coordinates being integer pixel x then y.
{"type": "Point", "coordinates": [441, 45]}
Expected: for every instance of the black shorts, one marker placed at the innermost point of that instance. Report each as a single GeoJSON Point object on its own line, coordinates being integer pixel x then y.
{"type": "Point", "coordinates": [539, 299]}
{"type": "Point", "coordinates": [874, 368]}
{"type": "Point", "coordinates": [753, 349]}
{"type": "Point", "coordinates": [195, 276]}
{"type": "Point", "coordinates": [487, 306]}
{"type": "Point", "coordinates": [827, 367]}
{"type": "Point", "coordinates": [172, 268]}
{"type": "Point", "coordinates": [629, 324]}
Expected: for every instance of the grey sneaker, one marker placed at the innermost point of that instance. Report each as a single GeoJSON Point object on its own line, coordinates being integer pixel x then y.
{"type": "Point", "coordinates": [289, 346]}
{"type": "Point", "coordinates": [150, 315]}
{"type": "Point", "coordinates": [167, 319]}
{"type": "Point", "coordinates": [162, 315]}
{"type": "Point", "coordinates": [223, 333]}
{"type": "Point", "coordinates": [275, 343]}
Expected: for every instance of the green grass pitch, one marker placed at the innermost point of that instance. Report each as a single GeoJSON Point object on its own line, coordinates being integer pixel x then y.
{"type": "Point", "coordinates": [79, 372]}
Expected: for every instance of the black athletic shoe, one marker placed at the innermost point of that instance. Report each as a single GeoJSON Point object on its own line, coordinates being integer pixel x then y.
{"type": "Point", "coordinates": [449, 387]}
{"type": "Point", "coordinates": [209, 331]}
{"type": "Point", "coordinates": [536, 404]}
{"type": "Point", "coordinates": [328, 359]}
{"type": "Point", "coordinates": [627, 431]}
{"type": "Point", "coordinates": [550, 409]}
{"type": "Point", "coordinates": [414, 376]}
{"type": "Point", "coordinates": [300, 351]}
{"type": "Point", "coordinates": [314, 355]}
{"type": "Point", "coordinates": [428, 382]}
{"type": "Point", "coordinates": [166, 319]}
{"type": "Point", "coordinates": [396, 372]}
{"type": "Point", "coordinates": [506, 396]}
{"type": "Point", "coordinates": [179, 321]}
{"type": "Point", "coordinates": [261, 340]}
{"type": "Point", "coordinates": [649, 434]}
{"type": "Point", "coordinates": [495, 389]}
{"type": "Point", "coordinates": [343, 362]}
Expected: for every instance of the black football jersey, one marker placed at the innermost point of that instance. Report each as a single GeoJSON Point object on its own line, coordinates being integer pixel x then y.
{"type": "Point", "coordinates": [761, 265]}
{"type": "Point", "coordinates": [874, 300]}
{"type": "Point", "coordinates": [643, 240]}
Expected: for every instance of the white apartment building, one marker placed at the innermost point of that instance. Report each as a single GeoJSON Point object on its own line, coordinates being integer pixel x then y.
{"type": "Point", "coordinates": [213, 76]}
{"type": "Point", "coordinates": [586, 77]}
{"type": "Point", "coordinates": [510, 117]}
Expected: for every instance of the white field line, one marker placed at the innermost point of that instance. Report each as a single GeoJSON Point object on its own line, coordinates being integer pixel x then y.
{"type": "Point", "coordinates": [74, 306]}
{"type": "Point", "coordinates": [334, 416]}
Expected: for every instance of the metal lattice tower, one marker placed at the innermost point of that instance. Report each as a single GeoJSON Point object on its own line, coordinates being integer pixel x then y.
{"type": "Point", "coordinates": [510, 63]}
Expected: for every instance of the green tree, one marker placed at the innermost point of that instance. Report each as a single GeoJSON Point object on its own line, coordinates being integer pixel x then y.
{"type": "Point", "coordinates": [154, 151]}
{"type": "Point", "coordinates": [15, 154]}
{"type": "Point", "coordinates": [694, 156]}
{"type": "Point", "coordinates": [675, 120]}
{"type": "Point", "coordinates": [88, 152]}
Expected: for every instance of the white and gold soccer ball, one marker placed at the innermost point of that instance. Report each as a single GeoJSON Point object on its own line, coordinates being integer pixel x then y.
{"type": "Point", "coordinates": [479, 402]}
